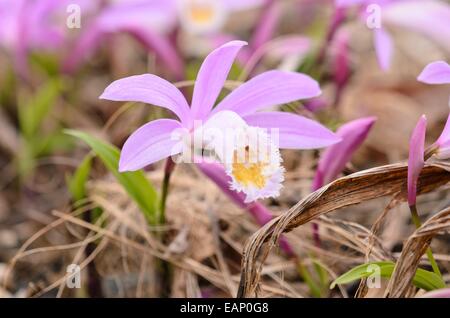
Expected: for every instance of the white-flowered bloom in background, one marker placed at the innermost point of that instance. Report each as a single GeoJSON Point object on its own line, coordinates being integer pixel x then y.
{"type": "Point", "coordinates": [202, 16]}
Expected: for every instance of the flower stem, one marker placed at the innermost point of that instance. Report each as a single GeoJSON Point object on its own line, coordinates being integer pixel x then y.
{"type": "Point", "coordinates": [168, 169]}
{"type": "Point", "coordinates": [165, 268]}
{"type": "Point", "coordinates": [416, 220]}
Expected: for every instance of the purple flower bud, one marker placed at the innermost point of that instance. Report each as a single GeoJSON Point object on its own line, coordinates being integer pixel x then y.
{"type": "Point", "coordinates": [416, 158]}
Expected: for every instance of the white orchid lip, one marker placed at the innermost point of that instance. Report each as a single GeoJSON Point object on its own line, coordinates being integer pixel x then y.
{"type": "Point", "coordinates": [255, 166]}
{"type": "Point", "coordinates": [202, 16]}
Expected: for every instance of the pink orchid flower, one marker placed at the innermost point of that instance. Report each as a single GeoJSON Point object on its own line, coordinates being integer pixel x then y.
{"type": "Point", "coordinates": [430, 18]}
{"type": "Point", "coordinates": [236, 112]}
{"type": "Point", "coordinates": [416, 158]}
{"type": "Point", "coordinates": [434, 73]}
{"type": "Point", "coordinates": [439, 73]}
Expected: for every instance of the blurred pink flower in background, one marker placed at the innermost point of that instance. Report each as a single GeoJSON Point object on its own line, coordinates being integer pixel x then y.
{"type": "Point", "coordinates": [439, 73]}
{"type": "Point", "coordinates": [27, 26]}
{"type": "Point", "coordinates": [153, 23]}
{"type": "Point", "coordinates": [430, 18]}
{"type": "Point", "coordinates": [148, 21]}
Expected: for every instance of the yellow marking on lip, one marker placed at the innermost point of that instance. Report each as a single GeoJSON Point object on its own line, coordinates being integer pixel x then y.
{"type": "Point", "coordinates": [248, 173]}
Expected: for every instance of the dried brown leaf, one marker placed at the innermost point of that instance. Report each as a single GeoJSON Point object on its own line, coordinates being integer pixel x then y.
{"type": "Point", "coordinates": [353, 189]}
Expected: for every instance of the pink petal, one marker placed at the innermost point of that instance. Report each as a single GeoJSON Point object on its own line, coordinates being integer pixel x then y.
{"type": "Point", "coordinates": [435, 73]}
{"type": "Point", "coordinates": [212, 76]}
{"type": "Point", "coordinates": [150, 89]}
{"type": "Point", "coordinates": [269, 89]}
{"type": "Point", "coordinates": [416, 159]}
{"type": "Point", "coordinates": [334, 159]}
{"type": "Point", "coordinates": [294, 131]}
{"type": "Point", "coordinates": [150, 143]}
{"type": "Point", "coordinates": [383, 48]}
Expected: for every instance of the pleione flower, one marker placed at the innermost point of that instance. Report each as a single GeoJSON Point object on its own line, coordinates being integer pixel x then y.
{"type": "Point", "coordinates": [438, 73]}
{"type": "Point", "coordinates": [257, 174]}
{"type": "Point", "coordinates": [416, 158]}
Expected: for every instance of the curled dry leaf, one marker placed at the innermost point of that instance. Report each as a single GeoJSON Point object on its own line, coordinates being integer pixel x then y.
{"type": "Point", "coordinates": [353, 189]}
